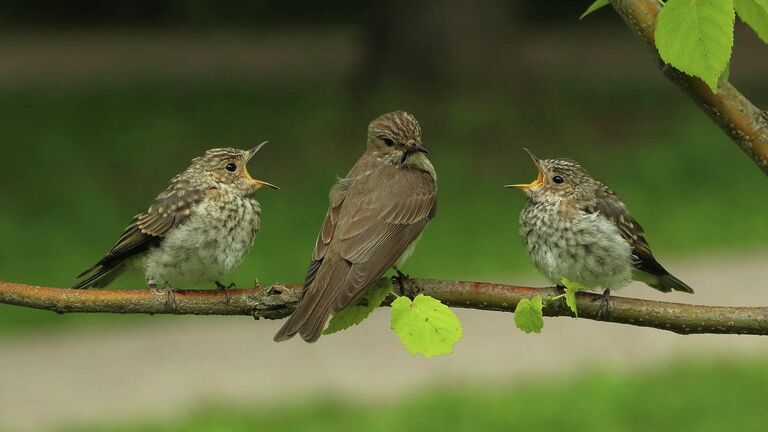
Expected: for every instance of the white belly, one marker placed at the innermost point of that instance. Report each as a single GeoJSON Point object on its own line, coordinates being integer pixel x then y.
{"type": "Point", "coordinates": [587, 249]}
{"type": "Point", "coordinates": [205, 247]}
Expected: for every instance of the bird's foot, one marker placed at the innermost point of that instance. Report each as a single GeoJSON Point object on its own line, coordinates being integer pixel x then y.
{"type": "Point", "coordinates": [226, 289]}
{"type": "Point", "coordinates": [170, 299]}
{"type": "Point", "coordinates": [400, 278]}
{"type": "Point", "coordinates": [605, 304]}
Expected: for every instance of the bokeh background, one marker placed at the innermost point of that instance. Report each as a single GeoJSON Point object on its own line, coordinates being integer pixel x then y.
{"type": "Point", "coordinates": [102, 102]}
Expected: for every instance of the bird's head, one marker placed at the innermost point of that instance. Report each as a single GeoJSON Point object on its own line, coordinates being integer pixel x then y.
{"type": "Point", "coordinates": [226, 169]}
{"type": "Point", "coordinates": [395, 137]}
{"type": "Point", "coordinates": [557, 180]}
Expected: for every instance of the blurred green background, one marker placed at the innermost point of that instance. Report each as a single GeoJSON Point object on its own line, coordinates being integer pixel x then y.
{"type": "Point", "coordinates": [101, 103]}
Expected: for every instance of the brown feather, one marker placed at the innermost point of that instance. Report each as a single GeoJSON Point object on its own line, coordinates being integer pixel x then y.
{"type": "Point", "coordinates": [609, 205]}
{"type": "Point", "coordinates": [168, 210]}
{"type": "Point", "coordinates": [373, 220]}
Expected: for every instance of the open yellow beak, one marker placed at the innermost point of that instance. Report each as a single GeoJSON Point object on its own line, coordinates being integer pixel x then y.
{"type": "Point", "coordinates": [257, 183]}
{"type": "Point", "coordinates": [539, 178]}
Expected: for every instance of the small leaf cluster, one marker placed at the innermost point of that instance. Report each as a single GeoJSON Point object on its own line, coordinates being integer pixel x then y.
{"type": "Point", "coordinates": [425, 326]}
{"type": "Point", "coordinates": [696, 36]}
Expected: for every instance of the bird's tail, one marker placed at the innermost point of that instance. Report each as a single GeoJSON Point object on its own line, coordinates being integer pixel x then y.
{"type": "Point", "coordinates": [309, 318]}
{"type": "Point", "coordinates": [100, 275]}
{"type": "Point", "coordinates": [665, 282]}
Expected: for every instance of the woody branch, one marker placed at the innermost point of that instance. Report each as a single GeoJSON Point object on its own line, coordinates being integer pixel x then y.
{"type": "Point", "coordinates": [278, 301]}
{"type": "Point", "coordinates": [746, 124]}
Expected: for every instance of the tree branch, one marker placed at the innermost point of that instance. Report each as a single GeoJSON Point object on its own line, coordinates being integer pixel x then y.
{"type": "Point", "coordinates": [746, 124]}
{"type": "Point", "coordinates": [278, 301]}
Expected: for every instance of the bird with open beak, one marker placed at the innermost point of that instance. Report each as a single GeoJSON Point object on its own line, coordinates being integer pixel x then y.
{"type": "Point", "coordinates": [375, 215]}
{"type": "Point", "coordinates": [577, 228]}
{"type": "Point", "coordinates": [196, 231]}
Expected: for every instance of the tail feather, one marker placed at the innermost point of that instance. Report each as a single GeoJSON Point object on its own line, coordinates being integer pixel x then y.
{"type": "Point", "coordinates": [669, 282]}
{"type": "Point", "coordinates": [100, 275]}
{"type": "Point", "coordinates": [664, 283]}
{"type": "Point", "coordinates": [316, 306]}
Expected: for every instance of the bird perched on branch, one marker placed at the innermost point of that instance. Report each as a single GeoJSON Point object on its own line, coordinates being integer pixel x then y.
{"type": "Point", "coordinates": [577, 228]}
{"type": "Point", "coordinates": [376, 214]}
{"type": "Point", "coordinates": [197, 230]}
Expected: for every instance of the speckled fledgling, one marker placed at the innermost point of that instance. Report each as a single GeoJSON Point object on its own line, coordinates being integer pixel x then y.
{"type": "Point", "coordinates": [575, 227]}
{"type": "Point", "coordinates": [196, 231]}
{"type": "Point", "coordinates": [376, 215]}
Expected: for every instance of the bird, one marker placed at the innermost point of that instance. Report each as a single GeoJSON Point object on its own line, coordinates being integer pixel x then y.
{"type": "Point", "coordinates": [577, 228]}
{"type": "Point", "coordinates": [375, 216]}
{"type": "Point", "coordinates": [197, 230]}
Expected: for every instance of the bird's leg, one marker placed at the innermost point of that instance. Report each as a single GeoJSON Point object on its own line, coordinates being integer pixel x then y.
{"type": "Point", "coordinates": [226, 289]}
{"type": "Point", "coordinates": [170, 296]}
{"type": "Point", "coordinates": [400, 278]}
{"type": "Point", "coordinates": [605, 304]}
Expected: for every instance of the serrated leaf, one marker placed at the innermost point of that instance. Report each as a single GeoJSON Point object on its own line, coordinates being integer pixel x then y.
{"type": "Point", "coordinates": [355, 314]}
{"type": "Point", "coordinates": [594, 6]}
{"type": "Point", "coordinates": [696, 37]}
{"type": "Point", "coordinates": [571, 288]}
{"type": "Point", "coordinates": [425, 326]}
{"type": "Point", "coordinates": [755, 14]}
{"type": "Point", "coordinates": [528, 316]}
{"type": "Point", "coordinates": [726, 75]}
{"type": "Point", "coordinates": [570, 300]}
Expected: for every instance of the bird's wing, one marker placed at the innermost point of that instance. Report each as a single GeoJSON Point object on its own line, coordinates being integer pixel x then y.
{"type": "Point", "coordinates": [168, 210]}
{"type": "Point", "coordinates": [610, 206]}
{"type": "Point", "coordinates": [364, 233]}
{"type": "Point", "coordinates": [375, 234]}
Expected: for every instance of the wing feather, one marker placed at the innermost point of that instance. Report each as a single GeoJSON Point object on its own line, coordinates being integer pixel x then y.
{"type": "Point", "coordinates": [373, 221]}
{"type": "Point", "coordinates": [169, 209]}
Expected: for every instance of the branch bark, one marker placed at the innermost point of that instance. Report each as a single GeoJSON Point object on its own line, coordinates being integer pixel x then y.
{"type": "Point", "coordinates": [278, 301]}
{"type": "Point", "coordinates": [746, 124]}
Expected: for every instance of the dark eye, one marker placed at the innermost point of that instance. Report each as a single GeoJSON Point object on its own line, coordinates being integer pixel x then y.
{"type": "Point", "coordinates": [557, 179]}
{"type": "Point", "coordinates": [388, 141]}
{"type": "Point", "coordinates": [231, 167]}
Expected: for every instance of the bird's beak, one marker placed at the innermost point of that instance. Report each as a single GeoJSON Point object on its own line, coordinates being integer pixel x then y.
{"type": "Point", "coordinates": [258, 184]}
{"type": "Point", "coordinates": [254, 150]}
{"type": "Point", "coordinates": [420, 148]}
{"type": "Point", "coordinates": [539, 178]}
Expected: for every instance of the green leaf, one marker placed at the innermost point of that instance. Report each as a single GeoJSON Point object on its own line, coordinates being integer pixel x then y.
{"type": "Point", "coordinates": [528, 317]}
{"type": "Point", "coordinates": [571, 288]}
{"type": "Point", "coordinates": [355, 314]}
{"type": "Point", "coordinates": [570, 300]}
{"type": "Point", "coordinates": [696, 36]}
{"type": "Point", "coordinates": [593, 7]}
{"type": "Point", "coordinates": [755, 14]}
{"type": "Point", "coordinates": [425, 326]}
{"type": "Point", "coordinates": [726, 75]}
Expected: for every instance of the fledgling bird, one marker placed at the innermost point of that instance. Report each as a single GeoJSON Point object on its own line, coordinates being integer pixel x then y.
{"type": "Point", "coordinates": [577, 228]}
{"type": "Point", "coordinates": [375, 215]}
{"type": "Point", "coordinates": [196, 231]}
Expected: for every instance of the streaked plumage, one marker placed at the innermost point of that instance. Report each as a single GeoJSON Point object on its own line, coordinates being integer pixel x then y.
{"type": "Point", "coordinates": [375, 214]}
{"type": "Point", "coordinates": [575, 227]}
{"type": "Point", "coordinates": [197, 230]}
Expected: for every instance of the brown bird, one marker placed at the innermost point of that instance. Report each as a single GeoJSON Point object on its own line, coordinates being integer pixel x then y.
{"type": "Point", "coordinates": [376, 214]}
{"type": "Point", "coordinates": [576, 227]}
{"type": "Point", "coordinates": [197, 230]}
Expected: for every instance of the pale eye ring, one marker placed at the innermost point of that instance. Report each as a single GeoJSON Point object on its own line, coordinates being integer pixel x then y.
{"type": "Point", "coordinates": [557, 179]}
{"type": "Point", "coordinates": [388, 141]}
{"type": "Point", "coordinates": [231, 167]}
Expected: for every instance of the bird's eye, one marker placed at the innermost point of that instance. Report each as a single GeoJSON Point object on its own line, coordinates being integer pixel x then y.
{"type": "Point", "coordinates": [388, 141]}
{"type": "Point", "coordinates": [557, 179]}
{"type": "Point", "coordinates": [231, 167]}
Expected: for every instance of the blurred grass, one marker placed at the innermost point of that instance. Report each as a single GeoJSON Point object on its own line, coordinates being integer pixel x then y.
{"type": "Point", "coordinates": [687, 396]}
{"type": "Point", "coordinates": [77, 164]}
